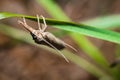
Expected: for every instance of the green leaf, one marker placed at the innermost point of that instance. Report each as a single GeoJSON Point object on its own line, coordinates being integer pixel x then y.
{"type": "Point", "coordinates": [73, 27]}
{"type": "Point", "coordinates": [111, 21]}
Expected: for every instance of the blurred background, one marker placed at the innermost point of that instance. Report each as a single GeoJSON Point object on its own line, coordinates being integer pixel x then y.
{"type": "Point", "coordinates": [23, 61]}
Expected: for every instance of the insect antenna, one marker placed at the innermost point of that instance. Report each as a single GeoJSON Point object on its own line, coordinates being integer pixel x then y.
{"type": "Point", "coordinates": [56, 50]}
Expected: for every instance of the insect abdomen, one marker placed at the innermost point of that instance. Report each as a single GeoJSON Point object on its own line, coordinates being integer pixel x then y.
{"type": "Point", "coordinates": [51, 39]}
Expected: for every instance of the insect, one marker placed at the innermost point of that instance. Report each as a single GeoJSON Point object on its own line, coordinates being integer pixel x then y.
{"type": "Point", "coordinates": [42, 37]}
{"type": "Point", "coordinates": [115, 63]}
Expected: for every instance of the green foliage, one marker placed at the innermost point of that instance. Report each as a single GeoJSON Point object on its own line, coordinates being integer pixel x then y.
{"type": "Point", "coordinates": [111, 21]}
{"type": "Point", "coordinates": [74, 27]}
{"type": "Point", "coordinates": [92, 29]}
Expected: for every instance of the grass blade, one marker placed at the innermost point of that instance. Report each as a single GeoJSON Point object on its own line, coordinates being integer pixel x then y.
{"type": "Point", "coordinates": [111, 21]}
{"type": "Point", "coordinates": [73, 27]}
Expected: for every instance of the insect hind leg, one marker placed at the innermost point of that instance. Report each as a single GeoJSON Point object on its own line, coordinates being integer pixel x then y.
{"type": "Point", "coordinates": [43, 30]}
{"type": "Point", "coordinates": [39, 24]}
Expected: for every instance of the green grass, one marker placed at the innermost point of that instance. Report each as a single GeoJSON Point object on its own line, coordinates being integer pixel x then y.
{"type": "Point", "coordinates": [88, 28]}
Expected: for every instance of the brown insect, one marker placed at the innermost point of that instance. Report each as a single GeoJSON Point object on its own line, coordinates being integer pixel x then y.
{"type": "Point", "coordinates": [45, 38]}
{"type": "Point", "coordinates": [115, 63]}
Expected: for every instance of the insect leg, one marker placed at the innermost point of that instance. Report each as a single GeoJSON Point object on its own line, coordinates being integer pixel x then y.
{"type": "Point", "coordinates": [43, 30]}
{"type": "Point", "coordinates": [39, 24]}
{"type": "Point", "coordinates": [25, 25]}
{"type": "Point", "coordinates": [56, 50]}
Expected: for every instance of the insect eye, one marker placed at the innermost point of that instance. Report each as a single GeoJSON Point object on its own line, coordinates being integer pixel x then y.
{"type": "Point", "coordinates": [36, 38]}
{"type": "Point", "coordinates": [33, 35]}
